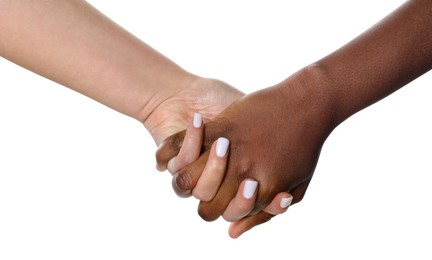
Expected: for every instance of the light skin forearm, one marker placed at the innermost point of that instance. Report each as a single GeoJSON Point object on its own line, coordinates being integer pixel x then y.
{"type": "Point", "coordinates": [380, 61]}
{"type": "Point", "coordinates": [73, 44]}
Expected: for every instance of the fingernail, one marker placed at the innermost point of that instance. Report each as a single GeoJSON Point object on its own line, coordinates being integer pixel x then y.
{"type": "Point", "coordinates": [197, 120]}
{"type": "Point", "coordinates": [222, 146]}
{"type": "Point", "coordinates": [249, 189]}
{"type": "Point", "coordinates": [285, 202]}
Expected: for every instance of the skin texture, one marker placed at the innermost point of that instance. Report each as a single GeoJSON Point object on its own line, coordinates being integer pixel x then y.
{"type": "Point", "coordinates": [212, 176]}
{"type": "Point", "coordinates": [257, 159]}
{"type": "Point", "coordinates": [73, 44]}
{"type": "Point", "coordinates": [277, 133]}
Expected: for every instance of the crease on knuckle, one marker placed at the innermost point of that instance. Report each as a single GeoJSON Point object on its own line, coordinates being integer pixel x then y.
{"type": "Point", "coordinates": [175, 142]}
{"type": "Point", "coordinates": [184, 181]}
{"type": "Point", "coordinates": [244, 208]}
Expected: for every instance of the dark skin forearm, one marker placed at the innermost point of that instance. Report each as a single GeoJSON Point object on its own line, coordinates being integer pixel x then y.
{"type": "Point", "coordinates": [380, 61]}
{"type": "Point", "coordinates": [276, 134]}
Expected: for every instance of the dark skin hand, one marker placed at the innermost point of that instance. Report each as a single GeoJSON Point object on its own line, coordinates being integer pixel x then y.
{"type": "Point", "coordinates": [277, 133]}
{"type": "Point", "coordinates": [277, 111]}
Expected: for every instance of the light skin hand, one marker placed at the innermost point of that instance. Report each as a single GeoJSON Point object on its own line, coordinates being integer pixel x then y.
{"type": "Point", "coordinates": [212, 176]}
{"type": "Point", "coordinates": [209, 97]}
{"type": "Point", "coordinates": [73, 44]}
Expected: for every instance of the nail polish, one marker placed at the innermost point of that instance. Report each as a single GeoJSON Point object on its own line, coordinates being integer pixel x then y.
{"type": "Point", "coordinates": [285, 202]}
{"type": "Point", "coordinates": [197, 120]}
{"type": "Point", "coordinates": [249, 189]}
{"type": "Point", "coordinates": [222, 146]}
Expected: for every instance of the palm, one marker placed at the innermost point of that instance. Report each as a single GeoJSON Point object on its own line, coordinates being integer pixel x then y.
{"type": "Point", "coordinates": [205, 96]}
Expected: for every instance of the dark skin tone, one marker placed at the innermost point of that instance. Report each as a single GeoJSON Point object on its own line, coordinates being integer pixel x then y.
{"type": "Point", "coordinates": [277, 133]}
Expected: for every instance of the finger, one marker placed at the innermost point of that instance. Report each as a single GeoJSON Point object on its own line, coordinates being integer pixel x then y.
{"type": "Point", "coordinates": [191, 147]}
{"type": "Point", "coordinates": [168, 149]}
{"type": "Point", "coordinates": [279, 204]}
{"type": "Point", "coordinates": [237, 228]}
{"type": "Point", "coordinates": [171, 146]}
{"type": "Point", "coordinates": [214, 171]}
{"type": "Point", "coordinates": [186, 179]}
{"type": "Point", "coordinates": [243, 202]}
{"type": "Point", "coordinates": [212, 210]}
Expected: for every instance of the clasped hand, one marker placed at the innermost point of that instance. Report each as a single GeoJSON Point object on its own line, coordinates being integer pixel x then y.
{"type": "Point", "coordinates": [275, 137]}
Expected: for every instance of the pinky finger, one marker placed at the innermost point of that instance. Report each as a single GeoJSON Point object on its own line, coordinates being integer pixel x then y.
{"type": "Point", "coordinates": [279, 204]}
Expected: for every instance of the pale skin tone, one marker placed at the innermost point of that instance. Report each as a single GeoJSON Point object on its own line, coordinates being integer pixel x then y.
{"type": "Point", "coordinates": [73, 44]}
{"type": "Point", "coordinates": [276, 134]}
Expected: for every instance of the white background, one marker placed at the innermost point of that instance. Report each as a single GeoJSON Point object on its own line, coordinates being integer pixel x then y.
{"type": "Point", "coordinates": [77, 180]}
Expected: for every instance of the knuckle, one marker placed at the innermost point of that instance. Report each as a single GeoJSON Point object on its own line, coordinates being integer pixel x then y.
{"type": "Point", "coordinates": [180, 192]}
{"type": "Point", "coordinates": [244, 208]}
{"type": "Point", "coordinates": [183, 160]}
{"type": "Point", "coordinates": [207, 213]}
{"type": "Point", "coordinates": [175, 142]}
{"type": "Point", "coordinates": [168, 148]}
{"type": "Point", "coordinates": [184, 181]}
{"type": "Point", "coordinates": [216, 166]}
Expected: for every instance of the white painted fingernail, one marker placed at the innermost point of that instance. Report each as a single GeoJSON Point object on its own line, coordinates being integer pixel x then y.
{"type": "Point", "coordinates": [222, 146]}
{"type": "Point", "coordinates": [285, 202]}
{"type": "Point", "coordinates": [197, 120]}
{"type": "Point", "coordinates": [249, 189]}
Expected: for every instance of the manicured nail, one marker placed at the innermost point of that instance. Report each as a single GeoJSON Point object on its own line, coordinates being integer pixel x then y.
{"type": "Point", "coordinates": [222, 146]}
{"type": "Point", "coordinates": [249, 189]}
{"type": "Point", "coordinates": [285, 202]}
{"type": "Point", "coordinates": [197, 120]}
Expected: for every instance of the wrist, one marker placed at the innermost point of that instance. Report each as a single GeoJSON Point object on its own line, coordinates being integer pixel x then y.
{"type": "Point", "coordinates": [171, 85]}
{"type": "Point", "coordinates": [316, 103]}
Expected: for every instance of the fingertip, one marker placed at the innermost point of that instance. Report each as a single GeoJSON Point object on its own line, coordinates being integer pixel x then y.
{"type": "Point", "coordinates": [249, 189]}
{"type": "Point", "coordinates": [197, 120]}
{"type": "Point", "coordinates": [279, 204]}
{"type": "Point", "coordinates": [285, 202]}
{"type": "Point", "coordinates": [160, 168]}
{"type": "Point", "coordinates": [222, 146]}
{"type": "Point", "coordinates": [232, 232]}
{"type": "Point", "coordinates": [244, 201]}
